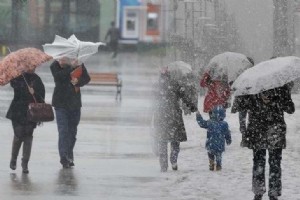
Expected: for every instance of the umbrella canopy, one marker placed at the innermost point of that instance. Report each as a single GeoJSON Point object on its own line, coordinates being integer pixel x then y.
{"type": "Point", "coordinates": [178, 69]}
{"type": "Point", "coordinates": [267, 75]}
{"type": "Point", "coordinates": [17, 62]}
{"type": "Point", "coordinates": [227, 66]}
{"type": "Point", "coordinates": [71, 48]}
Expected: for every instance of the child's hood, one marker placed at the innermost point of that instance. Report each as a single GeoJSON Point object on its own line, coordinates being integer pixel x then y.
{"type": "Point", "coordinates": [218, 113]}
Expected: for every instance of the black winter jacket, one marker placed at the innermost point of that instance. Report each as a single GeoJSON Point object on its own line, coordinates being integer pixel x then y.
{"type": "Point", "coordinates": [266, 127]}
{"type": "Point", "coordinates": [64, 95]}
{"type": "Point", "coordinates": [19, 105]}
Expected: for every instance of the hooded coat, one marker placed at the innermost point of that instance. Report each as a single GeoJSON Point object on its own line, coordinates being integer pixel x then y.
{"type": "Point", "coordinates": [168, 120]}
{"type": "Point", "coordinates": [217, 130]}
{"type": "Point", "coordinates": [266, 128]}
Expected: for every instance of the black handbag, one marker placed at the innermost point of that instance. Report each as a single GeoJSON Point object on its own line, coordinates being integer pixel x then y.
{"type": "Point", "coordinates": [39, 112]}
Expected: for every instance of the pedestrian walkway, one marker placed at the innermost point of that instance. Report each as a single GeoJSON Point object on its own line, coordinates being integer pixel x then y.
{"type": "Point", "coordinates": [113, 155]}
{"type": "Point", "coordinates": [113, 152]}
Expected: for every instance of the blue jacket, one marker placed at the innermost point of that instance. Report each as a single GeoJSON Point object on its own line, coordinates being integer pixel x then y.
{"type": "Point", "coordinates": [217, 130]}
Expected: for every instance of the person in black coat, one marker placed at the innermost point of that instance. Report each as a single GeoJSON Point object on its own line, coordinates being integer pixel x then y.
{"type": "Point", "coordinates": [266, 131]}
{"type": "Point", "coordinates": [17, 113]}
{"type": "Point", "coordinates": [67, 104]}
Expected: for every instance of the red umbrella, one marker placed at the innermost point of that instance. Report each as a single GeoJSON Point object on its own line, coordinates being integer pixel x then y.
{"type": "Point", "coordinates": [20, 61]}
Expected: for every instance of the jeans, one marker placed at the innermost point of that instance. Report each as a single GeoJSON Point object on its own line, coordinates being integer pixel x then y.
{"type": "Point", "coordinates": [67, 122]}
{"type": "Point", "coordinates": [163, 153]}
{"type": "Point", "coordinates": [258, 178]}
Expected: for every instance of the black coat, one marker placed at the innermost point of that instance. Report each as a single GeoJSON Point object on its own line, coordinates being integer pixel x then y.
{"type": "Point", "coordinates": [114, 34]}
{"type": "Point", "coordinates": [168, 120]}
{"type": "Point", "coordinates": [19, 105]}
{"type": "Point", "coordinates": [64, 95]}
{"type": "Point", "coordinates": [266, 127]}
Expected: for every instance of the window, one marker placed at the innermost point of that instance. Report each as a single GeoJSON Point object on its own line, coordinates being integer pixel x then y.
{"type": "Point", "coordinates": [152, 21]}
{"type": "Point", "coordinates": [130, 25]}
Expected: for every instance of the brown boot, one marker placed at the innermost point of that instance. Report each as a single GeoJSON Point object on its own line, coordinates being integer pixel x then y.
{"type": "Point", "coordinates": [211, 165]}
{"type": "Point", "coordinates": [218, 168]}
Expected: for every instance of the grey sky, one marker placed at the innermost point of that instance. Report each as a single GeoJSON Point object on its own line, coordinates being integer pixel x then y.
{"type": "Point", "coordinates": [255, 22]}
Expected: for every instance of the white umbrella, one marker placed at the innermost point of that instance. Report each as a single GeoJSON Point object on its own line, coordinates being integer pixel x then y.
{"type": "Point", "coordinates": [181, 72]}
{"type": "Point", "coordinates": [267, 75]}
{"type": "Point", "coordinates": [227, 66]}
{"type": "Point", "coordinates": [179, 69]}
{"type": "Point", "coordinates": [71, 48]}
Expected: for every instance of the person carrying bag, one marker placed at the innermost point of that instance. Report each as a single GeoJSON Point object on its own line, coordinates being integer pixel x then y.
{"type": "Point", "coordinates": [38, 112]}
{"type": "Point", "coordinates": [25, 92]}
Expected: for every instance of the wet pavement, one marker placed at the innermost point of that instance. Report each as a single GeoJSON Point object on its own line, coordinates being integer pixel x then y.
{"type": "Point", "coordinates": [113, 155]}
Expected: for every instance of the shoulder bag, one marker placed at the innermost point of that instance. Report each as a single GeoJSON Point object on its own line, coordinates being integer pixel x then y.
{"type": "Point", "coordinates": [39, 112]}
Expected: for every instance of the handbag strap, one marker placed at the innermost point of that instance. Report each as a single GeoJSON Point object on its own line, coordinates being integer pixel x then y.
{"type": "Point", "coordinates": [29, 88]}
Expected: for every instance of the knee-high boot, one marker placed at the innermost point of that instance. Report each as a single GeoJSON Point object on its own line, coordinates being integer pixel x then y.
{"type": "Point", "coordinates": [16, 144]}
{"type": "Point", "coordinates": [26, 153]}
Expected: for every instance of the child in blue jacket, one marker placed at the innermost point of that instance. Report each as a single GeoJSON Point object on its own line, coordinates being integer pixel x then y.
{"type": "Point", "coordinates": [217, 133]}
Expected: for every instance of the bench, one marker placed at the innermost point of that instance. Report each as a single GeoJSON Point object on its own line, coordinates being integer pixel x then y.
{"type": "Point", "coordinates": [107, 79]}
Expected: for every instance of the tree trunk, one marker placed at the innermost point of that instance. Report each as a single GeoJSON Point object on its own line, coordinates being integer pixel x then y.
{"type": "Point", "coordinates": [281, 46]}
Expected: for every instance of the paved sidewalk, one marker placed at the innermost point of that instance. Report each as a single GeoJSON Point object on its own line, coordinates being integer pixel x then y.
{"type": "Point", "coordinates": [112, 156]}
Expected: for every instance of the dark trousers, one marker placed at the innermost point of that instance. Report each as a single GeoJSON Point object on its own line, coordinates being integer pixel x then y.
{"type": "Point", "coordinates": [22, 135]}
{"type": "Point", "coordinates": [217, 157]}
{"type": "Point", "coordinates": [258, 178]}
{"type": "Point", "coordinates": [114, 48]}
{"type": "Point", "coordinates": [67, 122]}
{"type": "Point", "coordinates": [163, 153]}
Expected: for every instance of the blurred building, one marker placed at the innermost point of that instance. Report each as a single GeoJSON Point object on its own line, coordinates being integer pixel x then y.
{"type": "Point", "coordinates": [142, 21]}
{"type": "Point", "coordinates": [200, 29]}
{"type": "Point", "coordinates": [37, 21]}
{"type": "Point", "coordinates": [107, 15]}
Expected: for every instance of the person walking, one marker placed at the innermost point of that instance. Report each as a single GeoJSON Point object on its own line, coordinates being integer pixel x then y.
{"type": "Point", "coordinates": [114, 34]}
{"type": "Point", "coordinates": [67, 104]}
{"type": "Point", "coordinates": [217, 134]}
{"type": "Point", "coordinates": [26, 87]}
{"type": "Point", "coordinates": [266, 132]}
{"type": "Point", "coordinates": [218, 93]}
{"type": "Point", "coordinates": [218, 90]}
{"type": "Point", "coordinates": [168, 122]}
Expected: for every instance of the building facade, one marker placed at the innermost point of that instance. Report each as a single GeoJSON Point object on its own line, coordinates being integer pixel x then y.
{"type": "Point", "coordinates": [141, 21]}
{"type": "Point", "coordinates": [38, 21]}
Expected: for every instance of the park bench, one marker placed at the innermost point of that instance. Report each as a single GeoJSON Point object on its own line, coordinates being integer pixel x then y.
{"type": "Point", "coordinates": [107, 79]}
